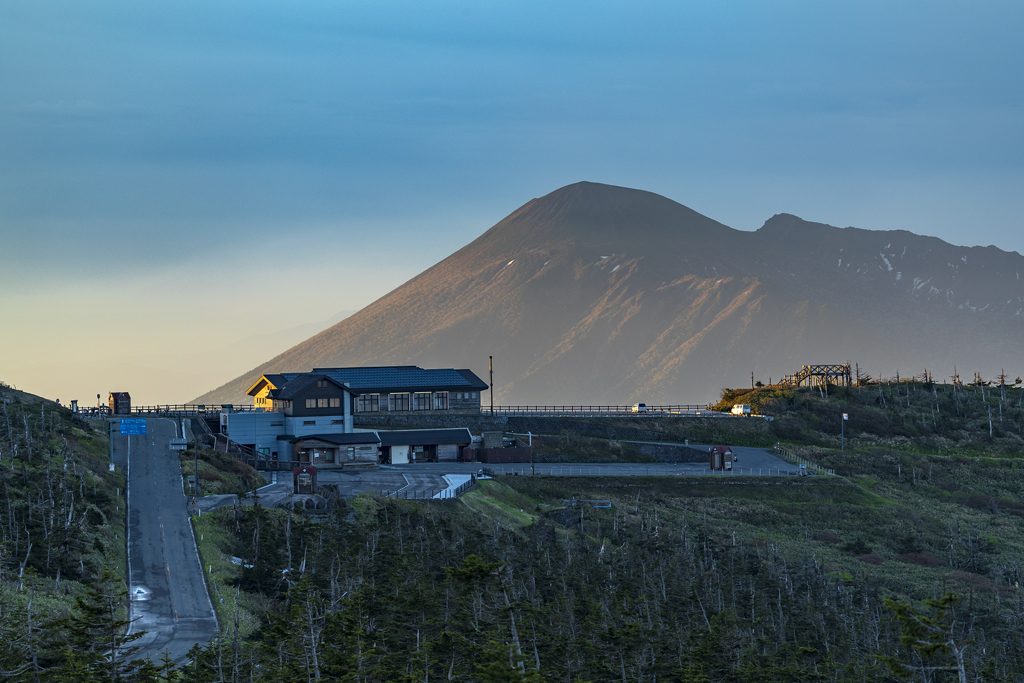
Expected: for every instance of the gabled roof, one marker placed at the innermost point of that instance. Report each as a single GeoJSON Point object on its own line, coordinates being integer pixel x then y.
{"type": "Point", "coordinates": [404, 378]}
{"type": "Point", "coordinates": [302, 382]}
{"type": "Point", "coordinates": [276, 381]}
{"type": "Point", "coordinates": [425, 437]}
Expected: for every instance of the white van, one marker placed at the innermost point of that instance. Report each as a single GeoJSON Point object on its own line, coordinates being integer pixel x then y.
{"type": "Point", "coordinates": [741, 409]}
{"type": "Point", "coordinates": [639, 408]}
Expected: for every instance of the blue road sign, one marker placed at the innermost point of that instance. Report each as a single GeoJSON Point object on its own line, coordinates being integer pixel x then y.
{"type": "Point", "coordinates": [133, 426]}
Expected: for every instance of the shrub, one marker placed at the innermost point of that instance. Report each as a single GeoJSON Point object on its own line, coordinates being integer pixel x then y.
{"type": "Point", "coordinates": [858, 547]}
{"type": "Point", "coordinates": [922, 559]}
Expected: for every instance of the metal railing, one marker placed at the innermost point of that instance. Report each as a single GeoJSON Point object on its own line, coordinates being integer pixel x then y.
{"type": "Point", "coordinates": [192, 409]}
{"type": "Point", "coordinates": [605, 411]}
{"type": "Point", "coordinates": [568, 470]}
{"type": "Point", "coordinates": [446, 493]}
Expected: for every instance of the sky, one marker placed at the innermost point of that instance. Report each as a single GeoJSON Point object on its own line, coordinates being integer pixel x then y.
{"type": "Point", "coordinates": [188, 188]}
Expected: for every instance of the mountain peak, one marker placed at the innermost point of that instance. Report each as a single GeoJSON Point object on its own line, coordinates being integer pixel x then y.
{"type": "Point", "coordinates": [605, 215]}
{"type": "Point", "coordinates": [599, 294]}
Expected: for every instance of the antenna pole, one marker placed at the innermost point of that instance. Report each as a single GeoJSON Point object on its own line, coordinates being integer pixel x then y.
{"type": "Point", "coordinates": [490, 369]}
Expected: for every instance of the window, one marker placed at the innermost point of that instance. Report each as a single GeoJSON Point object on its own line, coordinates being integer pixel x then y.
{"type": "Point", "coordinates": [311, 403]}
{"type": "Point", "coordinates": [309, 422]}
{"type": "Point", "coordinates": [421, 400]}
{"type": "Point", "coordinates": [335, 403]}
{"type": "Point", "coordinates": [474, 394]}
{"type": "Point", "coordinates": [368, 403]}
{"type": "Point", "coordinates": [398, 402]}
{"type": "Point", "coordinates": [322, 403]}
{"type": "Point", "coordinates": [337, 422]}
{"type": "Point", "coordinates": [321, 384]}
{"type": "Point", "coordinates": [441, 400]}
{"type": "Point", "coordinates": [277, 424]}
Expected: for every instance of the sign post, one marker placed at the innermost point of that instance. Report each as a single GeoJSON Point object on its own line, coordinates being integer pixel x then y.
{"type": "Point", "coordinates": [842, 434]}
{"type": "Point", "coordinates": [133, 426]}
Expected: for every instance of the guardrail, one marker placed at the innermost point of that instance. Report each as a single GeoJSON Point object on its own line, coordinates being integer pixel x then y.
{"type": "Point", "coordinates": [191, 409]}
{"type": "Point", "coordinates": [426, 494]}
{"type": "Point", "coordinates": [265, 465]}
{"type": "Point", "coordinates": [797, 460]}
{"type": "Point", "coordinates": [604, 411]}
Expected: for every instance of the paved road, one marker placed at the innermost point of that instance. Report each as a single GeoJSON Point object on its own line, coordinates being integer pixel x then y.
{"type": "Point", "coordinates": [169, 597]}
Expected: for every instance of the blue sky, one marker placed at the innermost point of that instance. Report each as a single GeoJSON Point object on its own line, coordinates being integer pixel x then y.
{"type": "Point", "coordinates": [212, 151]}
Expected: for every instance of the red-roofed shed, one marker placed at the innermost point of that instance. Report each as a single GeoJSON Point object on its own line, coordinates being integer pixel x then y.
{"type": "Point", "coordinates": [120, 403]}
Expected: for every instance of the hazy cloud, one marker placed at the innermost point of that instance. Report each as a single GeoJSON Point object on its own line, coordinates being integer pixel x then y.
{"type": "Point", "coordinates": [142, 137]}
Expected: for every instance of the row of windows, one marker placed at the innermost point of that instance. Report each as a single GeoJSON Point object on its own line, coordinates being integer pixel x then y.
{"type": "Point", "coordinates": [370, 403]}
{"type": "Point", "coordinates": [323, 402]}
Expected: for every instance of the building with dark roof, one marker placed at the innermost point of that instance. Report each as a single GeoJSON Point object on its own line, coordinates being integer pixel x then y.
{"type": "Point", "coordinates": [423, 445]}
{"type": "Point", "coordinates": [358, 449]}
{"type": "Point", "coordinates": [387, 389]}
{"type": "Point", "coordinates": [120, 403]}
{"type": "Point", "coordinates": [361, 449]}
{"type": "Point", "coordinates": [309, 414]}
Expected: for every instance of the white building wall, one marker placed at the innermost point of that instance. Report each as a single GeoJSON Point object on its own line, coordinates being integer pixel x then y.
{"type": "Point", "coordinates": [259, 429]}
{"type": "Point", "coordinates": [399, 455]}
{"type": "Point", "coordinates": [321, 424]}
{"type": "Point", "coordinates": [262, 428]}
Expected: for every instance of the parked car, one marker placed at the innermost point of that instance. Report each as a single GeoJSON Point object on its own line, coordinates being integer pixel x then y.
{"type": "Point", "coordinates": [639, 408]}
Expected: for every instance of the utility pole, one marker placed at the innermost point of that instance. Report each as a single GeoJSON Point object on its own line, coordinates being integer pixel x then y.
{"type": "Point", "coordinates": [490, 369]}
{"type": "Point", "coordinates": [751, 381]}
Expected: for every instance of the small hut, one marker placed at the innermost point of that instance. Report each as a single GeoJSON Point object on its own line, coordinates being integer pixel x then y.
{"type": "Point", "coordinates": [120, 403]}
{"type": "Point", "coordinates": [720, 457]}
{"type": "Point", "coordinates": [304, 479]}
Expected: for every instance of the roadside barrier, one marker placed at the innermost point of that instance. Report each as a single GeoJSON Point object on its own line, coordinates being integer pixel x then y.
{"type": "Point", "coordinates": [427, 494]}
{"type": "Point", "coordinates": [797, 460]}
{"type": "Point", "coordinates": [682, 410]}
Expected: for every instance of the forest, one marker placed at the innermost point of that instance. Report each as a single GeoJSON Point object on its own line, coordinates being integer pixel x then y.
{"type": "Point", "coordinates": [906, 566]}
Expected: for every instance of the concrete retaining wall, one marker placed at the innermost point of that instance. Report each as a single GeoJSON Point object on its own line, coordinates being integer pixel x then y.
{"type": "Point", "coordinates": [697, 429]}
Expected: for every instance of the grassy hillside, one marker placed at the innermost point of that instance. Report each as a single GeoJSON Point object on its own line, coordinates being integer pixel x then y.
{"type": "Point", "coordinates": [62, 541]}
{"type": "Point", "coordinates": [923, 417]}
{"type": "Point", "coordinates": [220, 473]}
{"type": "Point", "coordinates": [789, 576]}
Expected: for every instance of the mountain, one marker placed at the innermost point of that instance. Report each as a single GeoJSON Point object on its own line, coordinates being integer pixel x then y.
{"type": "Point", "coordinates": [596, 294]}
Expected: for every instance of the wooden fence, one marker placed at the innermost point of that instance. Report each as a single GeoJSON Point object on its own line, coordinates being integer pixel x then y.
{"type": "Point", "coordinates": [797, 460]}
